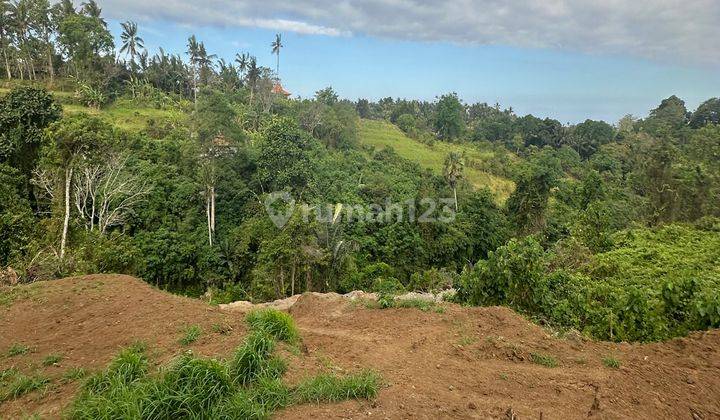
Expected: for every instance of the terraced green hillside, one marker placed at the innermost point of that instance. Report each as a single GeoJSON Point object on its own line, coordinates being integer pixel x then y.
{"type": "Point", "coordinates": [381, 134]}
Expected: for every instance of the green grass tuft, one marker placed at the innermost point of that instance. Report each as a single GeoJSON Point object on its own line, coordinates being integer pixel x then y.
{"type": "Point", "coordinates": [332, 388]}
{"type": "Point", "coordinates": [254, 360]}
{"type": "Point", "coordinates": [18, 349]}
{"type": "Point", "coordinates": [611, 362]}
{"type": "Point", "coordinates": [52, 359]}
{"type": "Point", "coordinates": [129, 366]}
{"type": "Point", "coordinates": [24, 385]}
{"type": "Point", "coordinates": [191, 335]}
{"type": "Point", "coordinates": [544, 360]}
{"type": "Point", "coordinates": [276, 323]}
{"type": "Point", "coordinates": [73, 374]}
{"type": "Point", "coordinates": [189, 388]}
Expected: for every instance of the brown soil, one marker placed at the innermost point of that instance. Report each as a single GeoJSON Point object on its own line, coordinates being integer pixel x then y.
{"type": "Point", "coordinates": [461, 363]}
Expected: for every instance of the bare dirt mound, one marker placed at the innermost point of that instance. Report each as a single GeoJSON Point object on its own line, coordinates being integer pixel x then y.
{"type": "Point", "coordinates": [453, 363]}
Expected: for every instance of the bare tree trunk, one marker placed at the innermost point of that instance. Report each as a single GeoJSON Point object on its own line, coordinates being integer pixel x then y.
{"type": "Point", "coordinates": [7, 65]}
{"type": "Point", "coordinates": [66, 222]}
{"type": "Point", "coordinates": [212, 209]}
{"type": "Point", "coordinates": [308, 280]}
{"type": "Point", "coordinates": [207, 211]}
{"type": "Point", "coordinates": [292, 279]}
{"type": "Point", "coordinates": [455, 194]}
{"type": "Point", "coordinates": [51, 69]}
{"type": "Point", "coordinates": [282, 281]}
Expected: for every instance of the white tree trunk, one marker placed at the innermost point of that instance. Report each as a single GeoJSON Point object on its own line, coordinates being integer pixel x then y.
{"type": "Point", "coordinates": [66, 221]}
{"type": "Point", "coordinates": [212, 209]}
{"type": "Point", "coordinates": [455, 194]}
{"type": "Point", "coordinates": [207, 211]}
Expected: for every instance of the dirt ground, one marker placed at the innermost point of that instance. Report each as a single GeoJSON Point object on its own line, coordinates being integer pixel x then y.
{"type": "Point", "coordinates": [455, 363]}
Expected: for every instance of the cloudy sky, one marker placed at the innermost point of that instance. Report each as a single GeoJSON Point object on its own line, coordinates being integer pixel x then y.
{"type": "Point", "coordinates": [568, 59]}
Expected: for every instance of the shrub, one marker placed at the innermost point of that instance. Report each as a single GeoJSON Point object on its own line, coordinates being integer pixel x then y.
{"type": "Point", "coordinates": [276, 323]}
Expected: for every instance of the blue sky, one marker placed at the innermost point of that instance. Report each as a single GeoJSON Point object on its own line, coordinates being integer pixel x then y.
{"type": "Point", "coordinates": [566, 82]}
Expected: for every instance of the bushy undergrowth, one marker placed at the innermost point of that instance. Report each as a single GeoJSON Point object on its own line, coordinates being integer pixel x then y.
{"type": "Point", "coordinates": [654, 284]}
{"type": "Point", "coordinates": [248, 386]}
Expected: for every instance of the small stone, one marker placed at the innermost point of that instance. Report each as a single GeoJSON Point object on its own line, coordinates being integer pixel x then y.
{"type": "Point", "coordinates": [471, 405]}
{"type": "Point", "coordinates": [451, 387]}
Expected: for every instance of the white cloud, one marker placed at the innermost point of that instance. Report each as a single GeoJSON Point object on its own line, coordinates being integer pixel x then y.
{"type": "Point", "coordinates": [681, 31]}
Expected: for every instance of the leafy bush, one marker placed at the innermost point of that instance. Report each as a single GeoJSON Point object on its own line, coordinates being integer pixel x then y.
{"type": "Point", "coordinates": [654, 284]}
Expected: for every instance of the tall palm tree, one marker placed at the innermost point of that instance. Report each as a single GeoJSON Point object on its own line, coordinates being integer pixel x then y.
{"type": "Point", "coordinates": [242, 61]}
{"type": "Point", "coordinates": [131, 42]}
{"type": "Point", "coordinates": [276, 45]}
{"type": "Point", "coordinates": [91, 9]}
{"type": "Point", "coordinates": [253, 74]}
{"type": "Point", "coordinates": [453, 171]}
{"type": "Point", "coordinates": [193, 52]}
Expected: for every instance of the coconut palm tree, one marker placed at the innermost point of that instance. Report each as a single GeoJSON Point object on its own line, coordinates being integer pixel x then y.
{"type": "Point", "coordinates": [91, 9]}
{"type": "Point", "coordinates": [131, 42]}
{"type": "Point", "coordinates": [242, 61]}
{"type": "Point", "coordinates": [276, 45]}
{"type": "Point", "coordinates": [253, 74]}
{"type": "Point", "coordinates": [453, 171]}
{"type": "Point", "coordinates": [193, 52]}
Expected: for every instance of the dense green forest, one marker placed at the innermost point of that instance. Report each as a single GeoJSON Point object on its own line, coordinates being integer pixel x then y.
{"type": "Point", "coordinates": [113, 160]}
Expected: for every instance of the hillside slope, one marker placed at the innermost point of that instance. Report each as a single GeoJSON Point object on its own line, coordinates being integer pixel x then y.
{"type": "Point", "coordinates": [381, 134]}
{"type": "Point", "coordinates": [456, 363]}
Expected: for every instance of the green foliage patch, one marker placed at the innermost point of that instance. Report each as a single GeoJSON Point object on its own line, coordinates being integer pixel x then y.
{"type": "Point", "coordinates": [654, 284]}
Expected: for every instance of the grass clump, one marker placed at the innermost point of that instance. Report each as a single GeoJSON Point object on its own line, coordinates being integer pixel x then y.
{"type": "Point", "coordinates": [191, 335]}
{"type": "Point", "coordinates": [276, 323]}
{"type": "Point", "coordinates": [254, 359]}
{"type": "Point", "coordinates": [249, 386]}
{"type": "Point", "coordinates": [129, 366]}
{"type": "Point", "coordinates": [331, 388]}
{"type": "Point", "coordinates": [24, 385]}
{"type": "Point", "coordinates": [189, 388]}
{"type": "Point", "coordinates": [611, 362]}
{"type": "Point", "coordinates": [73, 374]}
{"type": "Point", "coordinates": [544, 360]}
{"type": "Point", "coordinates": [18, 349]}
{"type": "Point", "coordinates": [52, 359]}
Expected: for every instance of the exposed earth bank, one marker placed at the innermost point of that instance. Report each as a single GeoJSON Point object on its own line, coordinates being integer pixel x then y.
{"type": "Point", "coordinates": [453, 362]}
